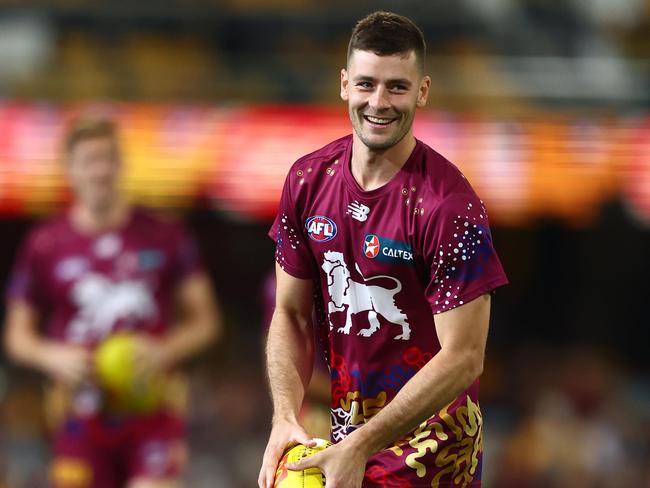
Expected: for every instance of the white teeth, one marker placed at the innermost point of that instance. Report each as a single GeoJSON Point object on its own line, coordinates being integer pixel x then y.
{"type": "Point", "coordinates": [376, 120]}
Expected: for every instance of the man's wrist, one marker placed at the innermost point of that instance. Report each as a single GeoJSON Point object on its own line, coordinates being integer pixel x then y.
{"type": "Point", "coordinates": [167, 357]}
{"type": "Point", "coordinates": [285, 416]}
{"type": "Point", "coordinates": [40, 356]}
{"type": "Point", "coordinates": [363, 442]}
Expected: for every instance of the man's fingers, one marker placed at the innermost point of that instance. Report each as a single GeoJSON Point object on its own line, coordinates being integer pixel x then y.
{"type": "Point", "coordinates": [275, 450]}
{"type": "Point", "coordinates": [303, 438]}
{"type": "Point", "coordinates": [269, 466]}
{"type": "Point", "coordinates": [270, 474]}
{"type": "Point", "coordinates": [263, 480]}
{"type": "Point", "coordinates": [308, 462]}
{"type": "Point", "coordinates": [73, 375]}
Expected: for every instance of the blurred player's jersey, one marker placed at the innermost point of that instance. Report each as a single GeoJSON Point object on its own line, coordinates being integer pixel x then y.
{"type": "Point", "coordinates": [387, 261]}
{"type": "Point", "coordinates": [88, 286]}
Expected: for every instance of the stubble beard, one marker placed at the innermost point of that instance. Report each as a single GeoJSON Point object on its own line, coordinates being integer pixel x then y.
{"type": "Point", "coordinates": [101, 204]}
{"type": "Point", "coordinates": [383, 145]}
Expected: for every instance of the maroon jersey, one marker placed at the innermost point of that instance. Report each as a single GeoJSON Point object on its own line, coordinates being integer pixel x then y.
{"type": "Point", "coordinates": [385, 262]}
{"type": "Point", "coordinates": [89, 286]}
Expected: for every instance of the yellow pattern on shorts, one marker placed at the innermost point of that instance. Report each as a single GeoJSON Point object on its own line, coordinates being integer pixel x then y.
{"type": "Point", "coordinates": [459, 458]}
{"type": "Point", "coordinates": [364, 411]}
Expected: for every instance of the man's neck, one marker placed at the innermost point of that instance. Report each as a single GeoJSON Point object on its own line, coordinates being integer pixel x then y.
{"type": "Point", "coordinates": [91, 220]}
{"type": "Point", "coordinates": [373, 169]}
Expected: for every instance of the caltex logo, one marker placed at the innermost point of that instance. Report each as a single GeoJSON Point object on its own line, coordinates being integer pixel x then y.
{"type": "Point", "coordinates": [320, 228]}
{"type": "Point", "coordinates": [371, 246]}
{"type": "Point", "coordinates": [387, 250]}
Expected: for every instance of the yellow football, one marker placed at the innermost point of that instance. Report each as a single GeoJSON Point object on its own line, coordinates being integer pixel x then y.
{"type": "Point", "coordinates": [114, 364]}
{"type": "Point", "coordinates": [307, 478]}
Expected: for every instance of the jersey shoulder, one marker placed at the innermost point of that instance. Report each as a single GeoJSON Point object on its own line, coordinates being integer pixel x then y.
{"type": "Point", "coordinates": [314, 169]}
{"type": "Point", "coordinates": [47, 234]}
{"type": "Point", "coordinates": [322, 157]}
{"type": "Point", "coordinates": [146, 220]}
{"type": "Point", "coordinates": [441, 179]}
{"type": "Point", "coordinates": [158, 229]}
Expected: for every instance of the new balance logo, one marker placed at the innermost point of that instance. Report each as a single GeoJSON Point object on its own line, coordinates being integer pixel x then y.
{"type": "Point", "coordinates": [358, 211]}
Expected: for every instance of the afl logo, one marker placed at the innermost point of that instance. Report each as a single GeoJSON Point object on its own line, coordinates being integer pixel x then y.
{"type": "Point", "coordinates": [320, 228]}
{"type": "Point", "coordinates": [371, 246]}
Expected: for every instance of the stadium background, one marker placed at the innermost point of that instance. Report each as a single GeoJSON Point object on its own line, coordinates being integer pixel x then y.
{"type": "Point", "coordinates": [544, 105]}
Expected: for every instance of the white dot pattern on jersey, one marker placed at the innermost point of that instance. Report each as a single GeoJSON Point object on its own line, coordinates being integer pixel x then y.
{"type": "Point", "coordinates": [466, 239]}
{"type": "Point", "coordinates": [418, 209]}
{"type": "Point", "coordinates": [285, 230]}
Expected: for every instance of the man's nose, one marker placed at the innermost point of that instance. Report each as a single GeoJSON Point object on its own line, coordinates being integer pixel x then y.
{"type": "Point", "coordinates": [379, 98]}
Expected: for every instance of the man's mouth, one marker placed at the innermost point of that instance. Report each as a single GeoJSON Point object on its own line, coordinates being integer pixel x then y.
{"type": "Point", "coordinates": [379, 120]}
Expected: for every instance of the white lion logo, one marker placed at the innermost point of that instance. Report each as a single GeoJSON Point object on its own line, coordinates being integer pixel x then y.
{"type": "Point", "coordinates": [353, 297]}
{"type": "Point", "coordinates": [102, 303]}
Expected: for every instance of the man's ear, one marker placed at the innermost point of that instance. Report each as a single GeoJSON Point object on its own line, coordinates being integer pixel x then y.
{"type": "Point", "coordinates": [344, 84]}
{"type": "Point", "coordinates": [423, 94]}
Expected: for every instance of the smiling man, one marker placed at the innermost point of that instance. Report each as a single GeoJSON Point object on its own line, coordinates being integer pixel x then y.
{"type": "Point", "coordinates": [401, 267]}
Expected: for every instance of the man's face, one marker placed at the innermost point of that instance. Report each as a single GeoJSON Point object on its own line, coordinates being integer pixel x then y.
{"type": "Point", "coordinates": [383, 93]}
{"type": "Point", "coordinates": [93, 170]}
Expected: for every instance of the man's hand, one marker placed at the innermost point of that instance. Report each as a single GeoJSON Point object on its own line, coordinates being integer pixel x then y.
{"type": "Point", "coordinates": [283, 434]}
{"type": "Point", "coordinates": [343, 464]}
{"type": "Point", "coordinates": [150, 357]}
{"type": "Point", "coordinates": [69, 364]}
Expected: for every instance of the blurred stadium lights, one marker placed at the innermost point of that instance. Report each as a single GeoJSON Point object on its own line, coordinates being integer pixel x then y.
{"type": "Point", "coordinates": [26, 44]}
{"type": "Point", "coordinates": [538, 166]}
{"type": "Point", "coordinates": [498, 66]}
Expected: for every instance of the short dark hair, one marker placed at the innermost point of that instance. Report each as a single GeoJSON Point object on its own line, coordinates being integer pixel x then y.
{"type": "Point", "coordinates": [387, 34]}
{"type": "Point", "coordinates": [84, 128]}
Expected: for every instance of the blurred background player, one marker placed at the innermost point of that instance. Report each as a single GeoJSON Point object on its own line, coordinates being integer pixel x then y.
{"type": "Point", "coordinates": [105, 266]}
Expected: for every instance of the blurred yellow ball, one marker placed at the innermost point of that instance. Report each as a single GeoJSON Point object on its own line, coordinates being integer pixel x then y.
{"type": "Point", "coordinates": [115, 367]}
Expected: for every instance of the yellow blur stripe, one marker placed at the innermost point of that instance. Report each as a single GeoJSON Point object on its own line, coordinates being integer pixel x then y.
{"type": "Point", "coordinates": [71, 473]}
{"type": "Point", "coordinates": [236, 158]}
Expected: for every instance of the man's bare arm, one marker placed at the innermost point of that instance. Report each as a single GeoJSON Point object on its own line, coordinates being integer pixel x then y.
{"type": "Point", "coordinates": [25, 345]}
{"type": "Point", "coordinates": [290, 355]}
{"type": "Point", "coordinates": [289, 347]}
{"type": "Point", "coordinates": [197, 324]}
{"type": "Point", "coordinates": [462, 333]}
